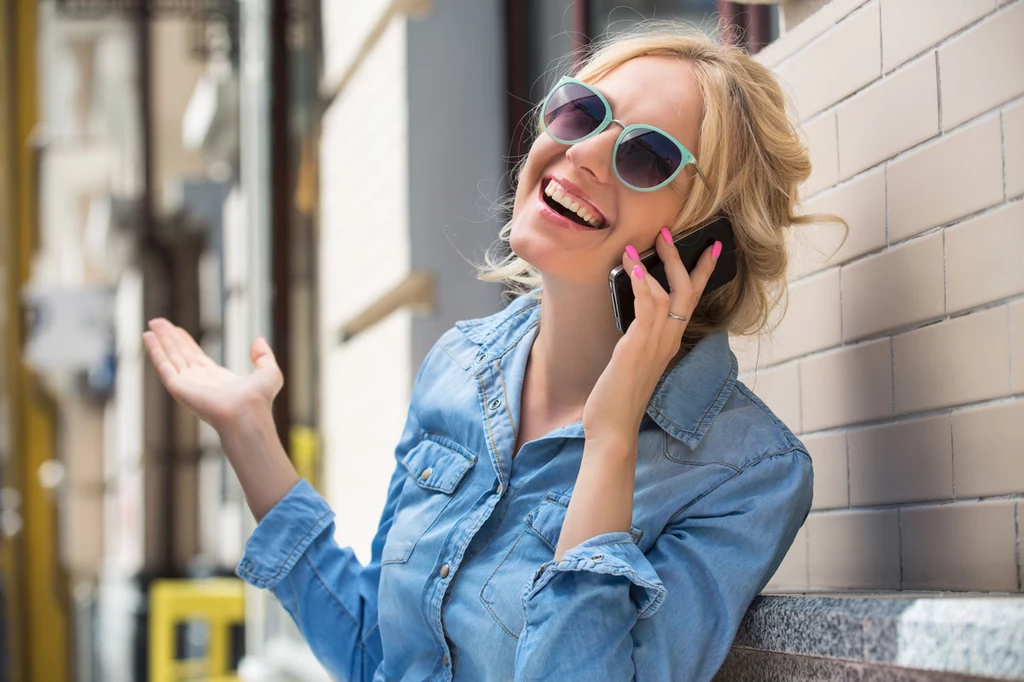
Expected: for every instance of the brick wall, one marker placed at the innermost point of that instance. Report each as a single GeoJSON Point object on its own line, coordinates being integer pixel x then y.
{"type": "Point", "coordinates": [900, 361]}
{"type": "Point", "coordinates": [363, 252]}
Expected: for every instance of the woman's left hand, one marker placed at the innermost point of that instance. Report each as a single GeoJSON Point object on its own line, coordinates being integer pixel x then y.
{"type": "Point", "coordinates": [618, 401]}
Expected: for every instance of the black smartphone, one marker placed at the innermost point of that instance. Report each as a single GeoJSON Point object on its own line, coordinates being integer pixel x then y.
{"type": "Point", "coordinates": [690, 247]}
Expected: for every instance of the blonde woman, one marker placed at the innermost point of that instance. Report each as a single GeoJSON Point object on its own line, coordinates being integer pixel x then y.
{"type": "Point", "coordinates": [568, 502]}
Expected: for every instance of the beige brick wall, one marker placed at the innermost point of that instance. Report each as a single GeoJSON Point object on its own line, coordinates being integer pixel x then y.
{"type": "Point", "coordinates": [364, 212]}
{"type": "Point", "coordinates": [900, 360]}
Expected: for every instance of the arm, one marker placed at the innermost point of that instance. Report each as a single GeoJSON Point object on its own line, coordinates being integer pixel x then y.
{"type": "Point", "coordinates": [607, 612]}
{"type": "Point", "coordinates": [292, 552]}
{"type": "Point", "coordinates": [255, 453]}
{"type": "Point", "coordinates": [331, 597]}
{"type": "Point", "coordinates": [602, 500]}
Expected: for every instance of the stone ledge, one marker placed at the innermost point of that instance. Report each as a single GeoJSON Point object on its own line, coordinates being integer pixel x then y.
{"type": "Point", "coordinates": [869, 636]}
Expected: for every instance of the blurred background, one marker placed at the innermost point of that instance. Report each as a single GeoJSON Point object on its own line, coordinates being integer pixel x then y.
{"type": "Point", "coordinates": [319, 171]}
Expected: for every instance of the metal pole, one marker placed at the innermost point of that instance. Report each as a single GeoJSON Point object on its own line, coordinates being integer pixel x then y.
{"type": "Point", "coordinates": [281, 189]}
{"type": "Point", "coordinates": [254, 162]}
{"type": "Point", "coordinates": [580, 28]}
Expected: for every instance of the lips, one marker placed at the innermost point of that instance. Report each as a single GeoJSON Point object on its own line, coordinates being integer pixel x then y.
{"type": "Point", "coordinates": [554, 216]}
{"type": "Point", "coordinates": [563, 197]}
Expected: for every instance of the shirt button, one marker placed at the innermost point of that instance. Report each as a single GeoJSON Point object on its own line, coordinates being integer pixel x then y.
{"type": "Point", "coordinates": [500, 488]}
{"type": "Point", "coordinates": [444, 571]}
{"type": "Point", "coordinates": [426, 473]}
{"type": "Point", "coordinates": [494, 404]}
{"type": "Point", "coordinates": [444, 659]}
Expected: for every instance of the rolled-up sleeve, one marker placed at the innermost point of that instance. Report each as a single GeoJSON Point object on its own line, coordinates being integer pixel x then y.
{"type": "Point", "coordinates": [284, 535]}
{"type": "Point", "coordinates": [608, 611]}
{"type": "Point", "coordinates": [332, 598]}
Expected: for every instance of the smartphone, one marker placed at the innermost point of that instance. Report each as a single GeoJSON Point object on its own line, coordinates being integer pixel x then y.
{"type": "Point", "coordinates": [690, 247]}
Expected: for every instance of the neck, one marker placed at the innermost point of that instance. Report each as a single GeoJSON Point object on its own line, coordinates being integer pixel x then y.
{"type": "Point", "coordinates": [574, 343]}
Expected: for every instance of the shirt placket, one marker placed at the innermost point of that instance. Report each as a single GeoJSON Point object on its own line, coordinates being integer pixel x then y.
{"type": "Point", "coordinates": [500, 436]}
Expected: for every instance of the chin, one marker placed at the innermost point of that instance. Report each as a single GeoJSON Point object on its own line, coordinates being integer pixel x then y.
{"type": "Point", "coordinates": [529, 245]}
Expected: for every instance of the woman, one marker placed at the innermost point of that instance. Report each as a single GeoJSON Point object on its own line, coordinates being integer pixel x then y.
{"type": "Point", "coordinates": [568, 502]}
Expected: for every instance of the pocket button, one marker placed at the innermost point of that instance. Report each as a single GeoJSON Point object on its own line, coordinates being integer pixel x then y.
{"type": "Point", "coordinates": [444, 571]}
{"type": "Point", "coordinates": [426, 473]}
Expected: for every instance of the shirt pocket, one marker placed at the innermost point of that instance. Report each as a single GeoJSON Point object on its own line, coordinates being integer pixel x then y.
{"type": "Point", "coordinates": [502, 592]}
{"type": "Point", "coordinates": [436, 466]}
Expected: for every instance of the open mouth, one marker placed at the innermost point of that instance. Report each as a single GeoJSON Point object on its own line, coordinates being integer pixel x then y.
{"type": "Point", "coordinates": [565, 204]}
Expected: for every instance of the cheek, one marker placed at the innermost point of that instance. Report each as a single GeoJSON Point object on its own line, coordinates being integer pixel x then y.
{"type": "Point", "coordinates": [644, 217]}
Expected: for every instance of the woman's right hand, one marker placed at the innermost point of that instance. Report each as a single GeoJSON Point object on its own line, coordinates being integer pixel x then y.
{"type": "Point", "coordinates": [215, 394]}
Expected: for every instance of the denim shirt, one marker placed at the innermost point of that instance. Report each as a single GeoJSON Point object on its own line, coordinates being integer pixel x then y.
{"type": "Point", "coordinates": [462, 583]}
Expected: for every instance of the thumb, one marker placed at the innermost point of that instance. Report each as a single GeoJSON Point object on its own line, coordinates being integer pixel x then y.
{"type": "Point", "coordinates": [261, 355]}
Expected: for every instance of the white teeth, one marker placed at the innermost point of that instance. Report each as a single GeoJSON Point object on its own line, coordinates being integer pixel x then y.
{"type": "Point", "coordinates": [556, 192]}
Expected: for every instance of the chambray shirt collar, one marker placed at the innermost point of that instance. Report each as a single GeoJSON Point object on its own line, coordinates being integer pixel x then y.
{"type": "Point", "coordinates": [689, 396]}
{"type": "Point", "coordinates": [685, 400]}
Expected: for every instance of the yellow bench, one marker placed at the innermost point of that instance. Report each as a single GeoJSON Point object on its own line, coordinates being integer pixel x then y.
{"type": "Point", "coordinates": [218, 601]}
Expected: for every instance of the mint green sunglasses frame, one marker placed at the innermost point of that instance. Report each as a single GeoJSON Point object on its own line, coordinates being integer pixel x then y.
{"type": "Point", "coordinates": [687, 156]}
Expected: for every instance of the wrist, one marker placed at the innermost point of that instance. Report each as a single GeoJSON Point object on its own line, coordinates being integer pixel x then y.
{"type": "Point", "coordinates": [248, 416]}
{"type": "Point", "coordinates": [612, 444]}
{"type": "Point", "coordinates": [255, 452]}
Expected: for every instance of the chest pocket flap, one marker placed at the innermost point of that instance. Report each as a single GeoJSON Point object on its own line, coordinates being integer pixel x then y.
{"type": "Point", "coordinates": [437, 466]}
{"type": "Point", "coordinates": [438, 463]}
{"type": "Point", "coordinates": [546, 519]}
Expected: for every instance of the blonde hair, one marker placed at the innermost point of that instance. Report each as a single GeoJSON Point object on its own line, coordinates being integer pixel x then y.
{"type": "Point", "coordinates": [751, 155]}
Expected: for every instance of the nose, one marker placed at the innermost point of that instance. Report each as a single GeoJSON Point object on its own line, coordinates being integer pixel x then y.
{"type": "Point", "coordinates": [593, 156]}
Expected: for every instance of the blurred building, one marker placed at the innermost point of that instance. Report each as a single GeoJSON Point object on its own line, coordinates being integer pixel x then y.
{"type": "Point", "coordinates": [326, 173]}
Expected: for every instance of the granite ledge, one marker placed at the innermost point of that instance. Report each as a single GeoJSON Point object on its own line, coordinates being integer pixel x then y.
{"type": "Point", "coordinates": [960, 636]}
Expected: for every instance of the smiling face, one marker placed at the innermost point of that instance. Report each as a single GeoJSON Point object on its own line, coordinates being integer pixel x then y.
{"type": "Point", "coordinates": [659, 91]}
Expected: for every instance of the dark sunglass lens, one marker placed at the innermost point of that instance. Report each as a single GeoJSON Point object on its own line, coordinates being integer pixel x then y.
{"type": "Point", "coordinates": [647, 158]}
{"type": "Point", "coordinates": [573, 112]}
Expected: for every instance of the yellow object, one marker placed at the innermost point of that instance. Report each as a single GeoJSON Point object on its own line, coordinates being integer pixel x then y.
{"type": "Point", "coordinates": [36, 586]}
{"type": "Point", "coordinates": [303, 451]}
{"type": "Point", "coordinates": [218, 601]}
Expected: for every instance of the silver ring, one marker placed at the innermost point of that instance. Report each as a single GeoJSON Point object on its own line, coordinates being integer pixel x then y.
{"type": "Point", "coordinates": [678, 317]}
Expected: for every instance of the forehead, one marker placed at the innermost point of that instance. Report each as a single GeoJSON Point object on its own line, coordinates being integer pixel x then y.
{"type": "Point", "coordinates": [658, 90]}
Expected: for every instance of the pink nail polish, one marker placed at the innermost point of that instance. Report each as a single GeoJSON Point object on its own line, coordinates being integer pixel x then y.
{"type": "Point", "coordinates": [631, 252]}
{"type": "Point", "coordinates": [716, 250]}
{"type": "Point", "coordinates": [638, 271]}
{"type": "Point", "coordinates": [666, 235]}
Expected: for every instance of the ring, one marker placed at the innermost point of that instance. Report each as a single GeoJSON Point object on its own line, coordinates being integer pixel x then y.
{"type": "Point", "coordinates": [678, 317]}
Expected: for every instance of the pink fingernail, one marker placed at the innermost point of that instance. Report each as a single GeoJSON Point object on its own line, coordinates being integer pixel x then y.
{"type": "Point", "coordinates": [666, 235]}
{"type": "Point", "coordinates": [716, 250]}
{"type": "Point", "coordinates": [631, 252]}
{"type": "Point", "coordinates": [638, 271]}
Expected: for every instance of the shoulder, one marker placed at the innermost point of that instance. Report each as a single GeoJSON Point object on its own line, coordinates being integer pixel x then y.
{"type": "Point", "coordinates": [476, 340]}
{"type": "Point", "coordinates": [744, 433]}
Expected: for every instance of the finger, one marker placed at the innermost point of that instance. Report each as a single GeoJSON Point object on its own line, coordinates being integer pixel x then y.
{"type": "Point", "coordinates": [705, 266]}
{"type": "Point", "coordinates": [662, 302]}
{"type": "Point", "coordinates": [164, 367]}
{"type": "Point", "coordinates": [643, 304]}
{"type": "Point", "coordinates": [191, 351]}
{"type": "Point", "coordinates": [261, 354]}
{"type": "Point", "coordinates": [678, 277]}
{"type": "Point", "coordinates": [165, 332]}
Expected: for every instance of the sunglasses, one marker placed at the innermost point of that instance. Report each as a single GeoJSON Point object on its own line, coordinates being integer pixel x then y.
{"type": "Point", "coordinates": [645, 158]}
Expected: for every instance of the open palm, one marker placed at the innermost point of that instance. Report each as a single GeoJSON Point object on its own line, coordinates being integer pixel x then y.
{"type": "Point", "coordinates": [215, 394]}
